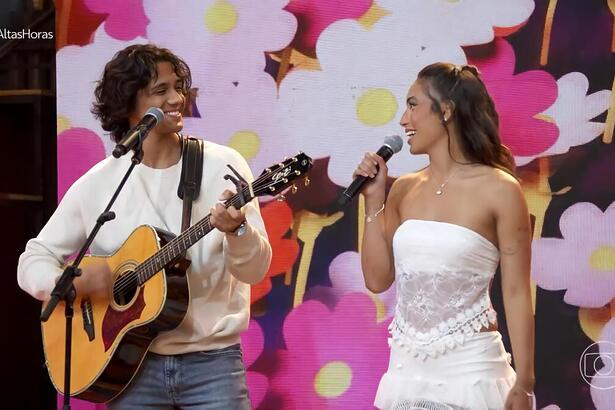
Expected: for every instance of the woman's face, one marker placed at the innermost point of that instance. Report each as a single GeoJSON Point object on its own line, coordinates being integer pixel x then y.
{"type": "Point", "coordinates": [423, 126]}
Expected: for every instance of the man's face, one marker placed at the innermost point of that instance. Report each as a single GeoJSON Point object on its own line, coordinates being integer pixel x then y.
{"type": "Point", "coordinates": [164, 92]}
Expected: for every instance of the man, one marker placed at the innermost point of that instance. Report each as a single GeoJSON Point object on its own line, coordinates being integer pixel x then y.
{"type": "Point", "coordinates": [198, 365]}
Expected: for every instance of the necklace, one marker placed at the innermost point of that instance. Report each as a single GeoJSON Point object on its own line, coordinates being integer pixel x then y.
{"type": "Point", "coordinates": [440, 190]}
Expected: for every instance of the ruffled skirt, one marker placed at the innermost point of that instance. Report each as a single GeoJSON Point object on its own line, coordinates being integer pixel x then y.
{"type": "Point", "coordinates": [474, 376]}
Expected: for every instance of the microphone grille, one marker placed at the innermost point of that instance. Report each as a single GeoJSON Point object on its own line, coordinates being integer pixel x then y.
{"type": "Point", "coordinates": [156, 113]}
{"type": "Point", "coordinates": [394, 142]}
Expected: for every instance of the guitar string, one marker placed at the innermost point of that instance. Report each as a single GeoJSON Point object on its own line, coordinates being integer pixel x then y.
{"type": "Point", "coordinates": [131, 279]}
{"type": "Point", "coordinates": [150, 264]}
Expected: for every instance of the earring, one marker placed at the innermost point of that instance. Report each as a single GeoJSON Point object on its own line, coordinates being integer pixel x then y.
{"type": "Point", "coordinates": [445, 119]}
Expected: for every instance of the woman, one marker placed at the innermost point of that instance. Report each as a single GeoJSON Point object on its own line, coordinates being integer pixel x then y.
{"type": "Point", "coordinates": [441, 235]}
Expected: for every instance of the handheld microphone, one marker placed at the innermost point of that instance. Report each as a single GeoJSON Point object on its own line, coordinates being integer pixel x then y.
{"type": "Point", "coordinates": [392, 145]}
{"type": "Point", "coordinates": [138, 133]}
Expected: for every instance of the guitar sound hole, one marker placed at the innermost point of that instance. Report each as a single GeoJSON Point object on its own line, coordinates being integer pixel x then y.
{"type": "Point", "coordinates": [125, 288]}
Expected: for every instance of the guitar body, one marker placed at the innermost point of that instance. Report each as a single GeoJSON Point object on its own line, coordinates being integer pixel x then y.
{"type": "Point", "coordinates": [123, 326]}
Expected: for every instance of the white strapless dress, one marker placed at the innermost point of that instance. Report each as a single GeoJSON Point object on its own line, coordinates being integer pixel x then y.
{"type": "Point", "coordinates": [440, 359]}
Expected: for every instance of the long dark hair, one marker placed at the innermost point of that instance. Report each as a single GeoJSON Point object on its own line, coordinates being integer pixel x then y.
{"type": "Point", "coordinates": [473, 112]}
{"type": "Point", "coordinates": [131, 70]}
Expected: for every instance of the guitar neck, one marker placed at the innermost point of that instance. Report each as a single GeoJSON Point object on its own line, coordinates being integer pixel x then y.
{"type": "Point", "coordinates": [272, 181]}
{"type": "Point", "coordinates": [181, 243]}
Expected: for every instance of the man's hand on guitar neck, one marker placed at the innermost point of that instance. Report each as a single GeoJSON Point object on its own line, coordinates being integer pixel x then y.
{"type": "Point", "coordinates": [226, 219]}
{"type": "Point", "coordinates": [95, 280]}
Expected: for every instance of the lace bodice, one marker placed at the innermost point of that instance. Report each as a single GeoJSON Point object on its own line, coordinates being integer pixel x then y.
{"type": "Point", "coordinates": [442, 273]}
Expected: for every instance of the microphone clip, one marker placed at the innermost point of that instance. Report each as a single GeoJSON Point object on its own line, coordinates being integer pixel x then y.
{"type": "Point", "coordinates": [137, 157]}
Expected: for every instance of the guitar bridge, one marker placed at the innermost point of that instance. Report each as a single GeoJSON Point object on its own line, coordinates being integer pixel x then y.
{"type": "Point", "coordinates": [88, 318]}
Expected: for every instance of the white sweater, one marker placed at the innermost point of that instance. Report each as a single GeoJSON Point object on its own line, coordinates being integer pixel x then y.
{"type": "Point", "coordinates": [222, 265]}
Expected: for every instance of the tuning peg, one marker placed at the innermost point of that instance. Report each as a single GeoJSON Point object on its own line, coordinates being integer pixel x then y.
{"type": "Point", "coordinates": [281, 198]}
{"type": "Point", "coordinates": [294, 189]}
{"type": "Point", "coordinates": [306, 181]}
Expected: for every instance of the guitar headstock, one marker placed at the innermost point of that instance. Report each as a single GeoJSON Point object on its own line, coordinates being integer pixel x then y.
{"type": "Point", "coordinates": [278, 177]}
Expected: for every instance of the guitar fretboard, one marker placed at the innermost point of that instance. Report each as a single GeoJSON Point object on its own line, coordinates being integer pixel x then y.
{"type": "Point", "coordinates": [181, 243]}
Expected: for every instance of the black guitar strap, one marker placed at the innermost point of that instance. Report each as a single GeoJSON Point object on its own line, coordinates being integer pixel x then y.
{"type": "Point", "coordinates": [192, 172]}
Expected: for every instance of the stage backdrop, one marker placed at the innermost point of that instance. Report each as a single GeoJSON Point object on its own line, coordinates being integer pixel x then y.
{"type": "Point", "coordinates": [329, 77]}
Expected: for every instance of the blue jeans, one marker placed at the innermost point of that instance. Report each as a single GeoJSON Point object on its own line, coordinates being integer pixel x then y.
{"type": "Point", "coordinates": [209, 380]}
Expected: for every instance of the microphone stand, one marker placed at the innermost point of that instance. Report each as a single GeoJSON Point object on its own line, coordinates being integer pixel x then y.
{"type": "Point", "coordinates": [64, 288]}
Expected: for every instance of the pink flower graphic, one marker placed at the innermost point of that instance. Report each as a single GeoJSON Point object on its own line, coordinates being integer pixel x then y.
{"type": "Point", "coordinates": [126, 19]}
{"type": "Point", "coordinates": [575, 112]}
{"type": "Point", "coordinates": [78, 150]}
{"type": "Point", "coordinates": [519, 98]}
{"type": "Point", "coordinates": [333, 359]}
{"type": "Point", "coordinates": [583, 261]}
{"type": "Point", "coordinates": [313, 16]}
{"type": "Point", "coordinates": [252, 343]}
{"type": "Point", "coordinates": [346, 276]}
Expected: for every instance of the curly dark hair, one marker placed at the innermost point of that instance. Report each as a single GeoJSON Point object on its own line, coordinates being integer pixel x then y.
{"type": "Point", "coordinates": [131, 70]}
{"type": "Point", "coordinates": [473, 111]}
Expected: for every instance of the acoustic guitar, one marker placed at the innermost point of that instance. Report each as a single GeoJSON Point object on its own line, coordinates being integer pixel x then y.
{"type": "Point", "coordinates": [149, 295]}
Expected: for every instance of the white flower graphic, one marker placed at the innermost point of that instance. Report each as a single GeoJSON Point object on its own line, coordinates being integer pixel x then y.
{"type": "Point", "coordinates": [224, 43]}
{"type": "Point", "coordinates": [357, 99]}
{"type": "Point", "coordinates": [573, 112]}
{"type": "Point", "coordinates": [78, 70]}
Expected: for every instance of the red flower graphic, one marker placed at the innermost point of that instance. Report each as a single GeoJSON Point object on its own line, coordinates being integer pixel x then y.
{"type": "Point", "coordinates": [278, 220]}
